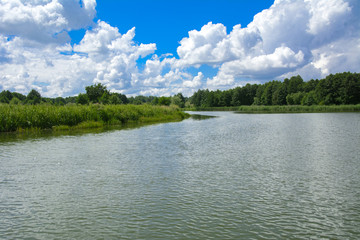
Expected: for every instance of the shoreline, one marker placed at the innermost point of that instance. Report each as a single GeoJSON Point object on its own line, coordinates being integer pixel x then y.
{"type": "Point", "coordinates": [35, 118]}
{"type": "Point", "coordinates": [283, 109]}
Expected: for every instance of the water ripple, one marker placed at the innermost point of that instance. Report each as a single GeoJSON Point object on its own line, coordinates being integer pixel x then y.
{"type": "Point", "coordinates": [281, 176]}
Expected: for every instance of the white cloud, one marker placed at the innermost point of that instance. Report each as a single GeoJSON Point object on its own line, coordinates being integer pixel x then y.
{"type": "Point", "coordinates": [283, 58]}
{"type": "Point", "coordinates": [45, 21]}
{"type": "Point", "coordinates": [327, 14]}
{"type": "Point", "coordinates": [198, 47]}
{"type": "Point", "coordinates": [222, 79]}
{"type": "Point", "coordinates": [308, 37]}
{"type": "Point", "coordinates": [104, 55]}
{"type": "Point", "coordinates": [290, 36]}
{"type": "Point", "coordinates": [195, 82]}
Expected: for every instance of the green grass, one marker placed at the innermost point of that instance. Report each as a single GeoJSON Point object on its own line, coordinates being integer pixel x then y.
{"type": "Point", "coordinates": [284, 109]}
{"type": "Point", "coordinates": [39, 117]}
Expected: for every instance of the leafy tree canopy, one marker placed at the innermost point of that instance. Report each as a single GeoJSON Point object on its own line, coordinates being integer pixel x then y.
{"type": "Point", "coordinates": [95, 92]}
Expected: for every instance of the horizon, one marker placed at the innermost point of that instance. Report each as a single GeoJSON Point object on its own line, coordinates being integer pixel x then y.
{"type": "Point", "coordinates": [162, 48]}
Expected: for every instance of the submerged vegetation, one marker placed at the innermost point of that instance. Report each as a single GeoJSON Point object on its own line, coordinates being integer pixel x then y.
{"type": "Point", "coordinates": [22, 117]}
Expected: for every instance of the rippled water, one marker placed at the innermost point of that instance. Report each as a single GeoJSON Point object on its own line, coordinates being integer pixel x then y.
{"type": "Point", "coordinates": [237, 176]}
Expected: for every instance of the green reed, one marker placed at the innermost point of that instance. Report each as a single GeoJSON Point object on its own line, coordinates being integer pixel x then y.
{"type": "Point", "coordinates": [282, 109]}
{"type": "Point", "coordinates": [299, 109]}
{"type": "Point", "coordinates": [20, 117]}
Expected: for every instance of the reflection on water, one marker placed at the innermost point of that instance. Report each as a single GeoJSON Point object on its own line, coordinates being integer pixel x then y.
{"type": "Point", "coordinates": [201, 117]}
{"type": "Point", "coordinates": [248, 176]}
{"type": "Point", "coordinates": [47, 133]}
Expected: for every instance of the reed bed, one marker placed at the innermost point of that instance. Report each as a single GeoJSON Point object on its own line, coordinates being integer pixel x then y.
{"type": "Point", "coordinates": [24, 117]}
{"type": "Point", "coordinates": [299, 109]}
{"type": "Point", "coordinates": [282, 109]}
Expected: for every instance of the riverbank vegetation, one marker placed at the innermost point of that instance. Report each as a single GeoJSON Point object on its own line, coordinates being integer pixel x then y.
{"type": "Point", "coordinates": [95, 94]}
{"type": "Point", "coordinates": [34, 117]}
{"type": "Point", "coordinates": [98, 106]}
{"type": "Point", "coordinates": [337, 89]}
{"type": "Point", "coordinates": [282, 109]}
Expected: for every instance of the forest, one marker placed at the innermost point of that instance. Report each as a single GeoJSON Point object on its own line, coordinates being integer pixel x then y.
{"type": "Point", "coordinates": [335, 89]}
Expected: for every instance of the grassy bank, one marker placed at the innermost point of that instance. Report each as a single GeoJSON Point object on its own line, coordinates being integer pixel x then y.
{"type": "Point", "coordinates": [25, 117]}
{"type": "Point", "coordinates": [284, 109]}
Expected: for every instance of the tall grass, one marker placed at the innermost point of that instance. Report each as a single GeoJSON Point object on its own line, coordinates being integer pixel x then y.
{"type": "Point", "coordinates": [299, 109]}
{"type": "Point", "coordinates": [18, 117]}
{"type": "Point", "coordinates": [282, 109]}
{"type": "Point", "coordinates": [211, 109]}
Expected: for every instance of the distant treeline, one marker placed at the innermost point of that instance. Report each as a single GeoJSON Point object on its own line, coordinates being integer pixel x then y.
{"type": "Point", "coordinates": [97, 93]}
{"type": "Point", "coordinates": [335, 89]}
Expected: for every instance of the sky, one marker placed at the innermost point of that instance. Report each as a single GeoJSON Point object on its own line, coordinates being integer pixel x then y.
{"type": "Point", "coordinates": [162, 47]}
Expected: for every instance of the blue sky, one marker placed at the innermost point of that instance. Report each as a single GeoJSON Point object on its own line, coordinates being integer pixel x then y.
{"type": "Point", "coordinates": [161, 48]}
{"type": "Point", "coordinates": [166, 22]}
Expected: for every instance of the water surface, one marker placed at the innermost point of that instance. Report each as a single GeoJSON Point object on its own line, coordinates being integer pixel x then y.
{"type": "Point", "coordinates": [236, 176]}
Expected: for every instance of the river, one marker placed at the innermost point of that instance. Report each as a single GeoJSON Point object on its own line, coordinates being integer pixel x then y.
{"type": "Point", "coordinates": [235, 176]}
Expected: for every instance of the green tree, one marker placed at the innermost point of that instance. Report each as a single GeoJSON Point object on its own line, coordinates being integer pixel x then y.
{"type": "Point", "coordinates": [164, 101]}
{"type": "Point", "coordinates": [95, 92]}
{"type": "Point", "coordinates": [310, 85]}
{"type": "Point", "coordinates": [105, 98]}
{"type": "Point", "coordinates": [72, 99]}
{"type": "Point", "coordinates": [310, 99]}
{"type": "Point", "coordinates": [33, 97]}
{"type": "Point", "coordinates": [15, 101]}
{"type": "Point", "coordinates": [259, 92]}
{"type": "Point", "coordinates": [59, 101]}
{"type": "Point", "coordinates": [236, 97]}
{"type": "Point", "coordinates": [279, 95]}
{"type": "Point", "coordinates": [294, 85]}
{"type": "Point", "coordinates": [196, 98]}
{"type": "Point", "coordinates": [225, 98]}
{"type": "Point", "coordinates": [267, 95]}
{"type": "Point", "coordinates": [295, 98]}
{"type": "Point", "coordinates": [4, 99]}
{"type": "Point", "coordinates": [349, 92]}
{"type": "Point", "coordinates": [179, 100]}
{"type": "Point", "coordinates": [123, 98]}
{"type": "Point", "coordinates": [5, 96]}
{"type": "Point", "coordinates": [114, 99]}
{"type": "Point", "coordinates": [249, 92]}
{"type": "Point", "coordinates": [155, 101]}
{"type": "Point", "coordinates": [82, 99]}
{"type": "Point", "coordinates": [19, 96]}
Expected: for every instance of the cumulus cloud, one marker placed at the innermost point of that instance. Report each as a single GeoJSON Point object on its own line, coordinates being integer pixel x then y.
{"type": "Point", "coordinates": [45, 21]}
{"type": "Point", "coordinates": [282, 59]}
{"type": "Point", "coordinates": [198, 47]}
{"type": "Point", "coordinates": [33, 55]}
{"type": "Point", "coordinates": [104, 55]}
{"type": "Point", "coordinates": [195, 82]}
{"type": "Point", "coordinates": [308, 37]}
{"type": "Point", "coordinates": [289, 36]}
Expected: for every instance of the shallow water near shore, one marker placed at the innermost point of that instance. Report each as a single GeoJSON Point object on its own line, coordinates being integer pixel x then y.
{"type": "Point", "coordinates": [236, 176]}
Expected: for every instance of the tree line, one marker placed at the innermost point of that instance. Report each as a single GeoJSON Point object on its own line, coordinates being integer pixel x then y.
{"type": "Point", "coordinates": [96, 93]}
{"type": "Point", "coordinates": [335, 89]}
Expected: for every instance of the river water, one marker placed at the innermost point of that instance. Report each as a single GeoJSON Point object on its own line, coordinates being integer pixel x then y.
{"type": "Point", "coordinates": [236, 176]}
